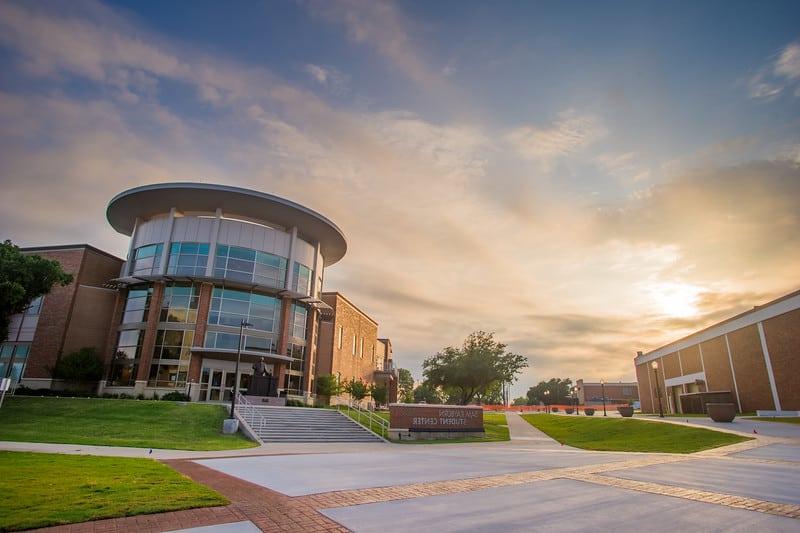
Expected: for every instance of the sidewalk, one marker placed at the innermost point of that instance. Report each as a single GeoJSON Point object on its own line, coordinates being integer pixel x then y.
{"type": "Point", "coordinates": [523, 433]}
{"type": "Point", "coordinates": [290, 448]}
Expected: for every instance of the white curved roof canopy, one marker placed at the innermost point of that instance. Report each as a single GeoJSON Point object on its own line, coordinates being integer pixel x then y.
{"type": "Point", "coordinates": [151, 200]}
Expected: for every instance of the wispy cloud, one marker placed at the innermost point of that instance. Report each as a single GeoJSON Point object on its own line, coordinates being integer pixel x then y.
{"type": "Point", "coordinates": [330, 77]}
{"type": "Point", "coordinates": [568, 134]}
{"type": "Point", "coordinates": [779, 75]}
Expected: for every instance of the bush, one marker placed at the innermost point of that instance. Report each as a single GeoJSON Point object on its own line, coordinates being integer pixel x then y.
{"type": "Point", "coordinates": [81, 366]}
{"type": "Point", "coordinates": [174, 396]}
{"type": "Point", "coordinates": [589, 411]}
{"type": "Point", "coordinates": [22, 390]}
{"type": "Point", "coordinates": [569, 410]}
{"type": "Point", "coordinates": [554, 409]}
{"type": "Point", "coordinates": [296, 403]}
{"type": "Point", "coordinates": [124, 396]}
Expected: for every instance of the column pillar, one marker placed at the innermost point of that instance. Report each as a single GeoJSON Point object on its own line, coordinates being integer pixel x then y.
{"type": "Point", "coordinates": [111, 339]}
{"type": "Point", "coordinates": [149, 341]}
{"type": "Point", "coordinates": [200, 327]}
{"type": "Point", "coordinates": [311, 350]}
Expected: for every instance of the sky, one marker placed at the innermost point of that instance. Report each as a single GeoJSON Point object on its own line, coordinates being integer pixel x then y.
{"type": "Point", "coordinates": [583, 179]}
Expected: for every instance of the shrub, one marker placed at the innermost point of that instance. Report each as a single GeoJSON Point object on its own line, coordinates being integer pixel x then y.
{"type": "Point", "coordinates": [174, 396]}
{"type": "Point", "coordinates": [357, 389]}
{"type": "Point", "coordinates": [569, 410]}
{"type": "Point", "coordinates": [379, 393]}
{"type": "Point", "coordinates": [554, 409]}
{"type": "Point", "coordinates": [81, 366]}
{"type": "Point", "coordinates": [295, 403]}
{"type": "Point", "coordinates": [124, 396]}
{"type": "Point", "coordinates": [589, 411]}
{"type": "Point", "coordinates": [327, 385]}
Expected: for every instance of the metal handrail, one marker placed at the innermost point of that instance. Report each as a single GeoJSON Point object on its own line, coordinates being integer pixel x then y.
{"type": "Point", "coordinates": [371, 418]}
{"type": "Point", "coordinates": [250, 415]}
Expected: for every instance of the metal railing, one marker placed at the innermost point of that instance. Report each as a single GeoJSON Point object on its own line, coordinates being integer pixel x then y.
{"type": "Point", "coordinates": [365, 418]}
{"type": "Point", "coordinates": [250, 415]}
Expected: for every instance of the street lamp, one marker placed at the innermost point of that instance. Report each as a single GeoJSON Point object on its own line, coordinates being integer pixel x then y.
{"type": "Point", "coordinates": [658, 391]}
{"type": "Point", "coordinates": [546, 403]}
{"type": "Point", "coordinates": [603, 388]}
{"type": "Point", "coordinates": [575, 397]}
{"type": "Point", "coordinates": [244, 324]}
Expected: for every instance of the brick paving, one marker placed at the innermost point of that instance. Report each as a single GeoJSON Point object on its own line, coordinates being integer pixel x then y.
{"type": "Point", "coordinates": [272, 511]}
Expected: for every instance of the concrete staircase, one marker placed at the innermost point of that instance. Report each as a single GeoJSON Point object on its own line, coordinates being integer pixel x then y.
{"type": "Point", "coordinates": [304, 424]}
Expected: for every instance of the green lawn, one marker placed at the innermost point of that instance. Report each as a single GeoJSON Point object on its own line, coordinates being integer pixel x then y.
{"type": "Point", "coordinates": [784, 419]}
{"type": "Point", "coordinates": [146, 424]}
{"type": "Point", "coordinates": [629, 435]}
{"type": "Point", "coordinates": [42, 489]}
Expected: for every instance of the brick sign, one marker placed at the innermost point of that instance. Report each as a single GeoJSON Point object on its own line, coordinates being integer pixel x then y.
{"type": "Point", "coordinates": [424, 417]}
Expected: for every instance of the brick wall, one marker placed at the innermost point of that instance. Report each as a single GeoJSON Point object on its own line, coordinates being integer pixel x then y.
{"type": "Point", "coordinates": [342, 362]}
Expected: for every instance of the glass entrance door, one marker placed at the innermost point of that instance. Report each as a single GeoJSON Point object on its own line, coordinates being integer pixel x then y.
{"type": "Point", "coordinates": [216, 384]}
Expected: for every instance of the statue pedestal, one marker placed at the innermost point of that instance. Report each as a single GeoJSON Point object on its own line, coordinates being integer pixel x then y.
{"type": "Point", "coordinates": [262, 386]}
{"type": "Point", "coordinates": [266, 400]}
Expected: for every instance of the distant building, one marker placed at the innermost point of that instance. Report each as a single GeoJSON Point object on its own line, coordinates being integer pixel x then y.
{"type": "Point", "coordinates": [203, 260]}
{"type": "Point", "coordinates": [349, 347]}
{"type": "Point", "coordinates": [64, 320]}
{"type": "Point", "coordinates": [751, 360]}
{"type": "Point", "coordinates": [615, 392]}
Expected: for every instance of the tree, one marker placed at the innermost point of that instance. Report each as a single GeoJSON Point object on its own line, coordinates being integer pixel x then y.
{"type": "Point", "coordinates": [522, 400]}
{"type": "Point", "coordinates": [425, 393]}
{"type": "Point", "coordinates": [379, 393]}
{"type": "Point", "coordinates": [327, 386]}
{"type": "Point", "coordinates": [474, 368]}
{"type": "Point", "coordinates": [493, 395]}
{"type": "Point", "coordinates": [22, 279]}
{"type": "Point", "coordinates": [405, 385]}
{"type": "Point", "coordinates": [357, 389]}
{"type": "Point", "coordinates": [558, 388]}
{"type": "Point", "coordinates": [82, 366]}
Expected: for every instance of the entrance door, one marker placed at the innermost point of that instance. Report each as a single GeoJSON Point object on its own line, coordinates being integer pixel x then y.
{"type": "Point", "coordinates": [216, 384]}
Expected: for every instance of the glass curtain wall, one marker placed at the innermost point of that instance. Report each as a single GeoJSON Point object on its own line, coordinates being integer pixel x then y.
{"type": "Point", "coordinates": [146, 260]}
{"type": "Point", "coordinates": [171, 356]}
{"type": "Point", "coordinates": [188, 258]}
{"type": "Point", "coordinates": [244, 264]}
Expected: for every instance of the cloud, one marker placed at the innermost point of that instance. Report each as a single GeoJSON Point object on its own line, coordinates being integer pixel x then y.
{"type": "Point", "coordinates": [781, 73]}
{"type": "Point", "coordinates": [330, 77]}
{"type": "Point", "coordinates": [569, 134]}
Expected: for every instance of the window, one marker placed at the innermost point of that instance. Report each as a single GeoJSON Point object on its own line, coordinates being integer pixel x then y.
{"type": "Point", "coordinates": [230, 307]}
{"type": "Point", "coordinates": [126, 357]}
{"type": "Point", "coordinates": [299, 320]}
{"type": "Point", "coordinates": [13, 357]}
{"type": "Point", "coordinates": [230, 341]}
{"type": "Point", "coordinates": [137, 304]}
{"type": "Point", "coordinates": [302, 279]}
{"type": "Point", "coordinates": [361, 348]}
{"type": "Point", "coordinates": [171, 358]}
{"type": "Point", "coordinates": [147, 260]}
{"type": "Point", "coordinates": [34, 307]}
{"type": "Point", "coordinates": [244, 264]}
{"type": "Point", "coordinates": [341, 334]}
{"type": "Point", "coordinates": [188, 258]}
{"type": "Point", "coordinates": [354, 343]}
{"type": "Point", "coordinates": [180, 303]}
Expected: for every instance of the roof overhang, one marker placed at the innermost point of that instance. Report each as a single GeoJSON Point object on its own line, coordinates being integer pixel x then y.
{"type": "Point", "coordinates": [157, 199]}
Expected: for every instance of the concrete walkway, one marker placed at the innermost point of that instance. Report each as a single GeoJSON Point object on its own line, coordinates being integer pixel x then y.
{"type": "Point", "coordinates": [523, 433]}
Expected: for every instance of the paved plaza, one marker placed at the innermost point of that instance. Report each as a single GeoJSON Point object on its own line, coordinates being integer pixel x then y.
{"type": "Point", "coordinates": [528, 483]}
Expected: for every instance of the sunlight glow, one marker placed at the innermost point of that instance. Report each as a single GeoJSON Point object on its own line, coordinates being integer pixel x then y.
{"type": "Point", "coordinates": [676, 299]}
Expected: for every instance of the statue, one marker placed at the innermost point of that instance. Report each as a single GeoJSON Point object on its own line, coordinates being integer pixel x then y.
{"type": "Point", "coordinates": [261, 384]}
{"type": "Point", "coordinates": [259, 368]}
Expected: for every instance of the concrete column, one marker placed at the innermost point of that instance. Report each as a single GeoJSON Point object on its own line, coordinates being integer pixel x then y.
{"type": "Point", "coordinates": [126, 267]}
{"type": "Point", "coordinates": [149, 341]}
{"type": "Point", "coordinates": [165, 250]}
{"type": "Point", "coordinates": [311, 352]}
{"type": "Point", "coordinates": [212, 249]}
{"type": "Point", "coordinates": [280, 373]}
{"type": "Point", "coordinates": [315, 287]}
{"type": "Point", "coordinates": [767, 361]}
{"type": "Point", "coordinates": [290, 260]}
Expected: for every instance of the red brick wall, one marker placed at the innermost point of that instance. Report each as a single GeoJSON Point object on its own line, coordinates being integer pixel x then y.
{"type": "Point", "coordinates": [782, 334]}
{"type": "Point", "coordinates": [751, 372]}
{"type": "Point", "coordinates": [342, 362]}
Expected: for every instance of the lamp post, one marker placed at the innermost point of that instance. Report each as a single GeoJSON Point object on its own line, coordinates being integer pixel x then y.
{"type": "Point", "coordinates": [546, 403]}
{"type": "Point", "coordinates": [575, 396]}
{"type": "Point", "coordinates": [658, 390]}
{"type": "Point", "coordinates": [603, 388]}
{"type": "Point", "coordinates": [244, 324]}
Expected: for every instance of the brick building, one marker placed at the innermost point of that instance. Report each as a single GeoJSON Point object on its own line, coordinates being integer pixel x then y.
{"type": "Point", "coordinates": [205, 262]}
{"type": "Point", "coordinates": [615, 393]}
{"type": "Point", "coordinates": [64, 320]}
{"type": "Point", "coordinates": [349, 347]}
{"type": "Point", "coordinates": [751, 360]}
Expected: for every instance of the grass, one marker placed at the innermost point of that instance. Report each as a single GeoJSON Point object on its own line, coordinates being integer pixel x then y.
{"type": "Point", "coordinates": [784, 419]}
{"type": "Point", "coordinates": [494, 425]}
{"type": "Point", "coordinates": [629, 435]}
{"type": "Point", "coordinates": [145, 424]}
{"type": "Point", "coordinates": [42, 489]}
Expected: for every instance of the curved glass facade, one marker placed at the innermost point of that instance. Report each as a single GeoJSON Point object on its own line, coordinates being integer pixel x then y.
{"type": "Point", "coordinates": [230, 307]}
{"type": "Point", "coordinates": [250, 266]}
{"type": "Point", "coordinates": [146, 260]}
{"type": "Point", "coordinates": [188, 258]}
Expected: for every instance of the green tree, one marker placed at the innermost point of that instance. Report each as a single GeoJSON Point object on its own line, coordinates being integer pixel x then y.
{"type": "Point", "coordinates": [82, 366]}
{"type": "Point", "coordinates": [474, 368]}
{"type": "Point", "coordinates": [379, 393]}
{"type": "Point", "coordinates": [357, 389]}
{"type": "Point", "coordinates": [327, 386]}
{"type": "Point", "coordinates": [425, 393]}
{"type": "Point", "coordinates": [522, 400]}
{"type": "Point", "coordinates": [405, 385]}
{"type": "Point", "coordinates": [558, 391]}
{"type": "Point", "coordinates": [22, 278]}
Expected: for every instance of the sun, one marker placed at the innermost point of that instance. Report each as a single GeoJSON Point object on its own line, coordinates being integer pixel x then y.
{"type": "Point", "coordinates": [676, 299]}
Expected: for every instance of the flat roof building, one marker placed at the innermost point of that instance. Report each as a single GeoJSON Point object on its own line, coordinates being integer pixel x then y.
{"type": "Point", "coordinates": [592, 393]}
{"type": "Point", "coordinates": [751, 360]}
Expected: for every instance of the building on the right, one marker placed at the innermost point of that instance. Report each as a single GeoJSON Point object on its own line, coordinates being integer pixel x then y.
{"type": "Point", "coordinates": [614, 392]}
{"type": "Point", "coordinates": [751, 360]}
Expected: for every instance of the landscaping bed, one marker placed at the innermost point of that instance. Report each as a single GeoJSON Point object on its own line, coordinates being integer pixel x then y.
{"type": "Point", "coordinates": [42, 489]}
{"type": "Point", "coordinates": [629, 435]}
{"type": "Point", "coordinates": [145, 424]}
